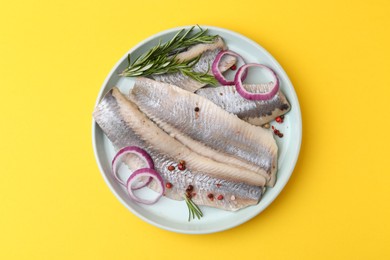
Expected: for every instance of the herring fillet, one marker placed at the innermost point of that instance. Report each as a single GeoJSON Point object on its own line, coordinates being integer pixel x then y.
{"type": "Point", "coordinates": [256, 112]}
{"type": "Point", "coordinates": [125, 125]}
{"type": "Point", "coordinates": [163, 143]}
{"type": "Point", "coordinates": [208, 53]}
{"type": "Point", "coordinates": [197, 122]}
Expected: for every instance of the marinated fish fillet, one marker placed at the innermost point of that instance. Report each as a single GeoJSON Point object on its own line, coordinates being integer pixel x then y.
{"type": "Point", "coordinates": [205, 127]}
{"type": "Point", "coordinates": [195, 50]}
{"type": "Point", "coordinates": [208, 52]}
{"type": "Point", "coordinates": [256, 112]}
{"type": "Point", "coordinates": [125, 125]}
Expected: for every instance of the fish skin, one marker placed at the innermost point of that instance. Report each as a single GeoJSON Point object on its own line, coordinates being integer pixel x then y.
{"type": "Point", "coordinates": [125, 125]}
{"type": "Point", "coordinates": [173, 109]}
{"type": "Point", "coordinates": [256, 112]}
{"type": "Point", "coordinates": [208, 53]}
{"type": "Point", "coordinates": [209, 152]}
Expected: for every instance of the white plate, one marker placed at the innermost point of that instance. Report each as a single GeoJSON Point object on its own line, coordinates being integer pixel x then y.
{"type": "Point", "coordinates": [170, 214]}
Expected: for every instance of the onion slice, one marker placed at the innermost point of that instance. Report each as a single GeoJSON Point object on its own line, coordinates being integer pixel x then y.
{"type": "Point", "coordinates": [145, 172]}
{"type": "Point", "coordinates": [137, 151]}
{"type": "Point", "coordinates": [218, 74]}
{"type": "Point", "coordinates": [255, 96]}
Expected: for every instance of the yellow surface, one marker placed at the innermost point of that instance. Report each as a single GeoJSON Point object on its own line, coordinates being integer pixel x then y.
{"type": "Point", "coordinates": [54, 56]}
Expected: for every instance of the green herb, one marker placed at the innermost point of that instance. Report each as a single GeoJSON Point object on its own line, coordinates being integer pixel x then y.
{"type": "Point", "coordinates": [193, 209]}
{"type": "Point", "coordinates": [161, 59]}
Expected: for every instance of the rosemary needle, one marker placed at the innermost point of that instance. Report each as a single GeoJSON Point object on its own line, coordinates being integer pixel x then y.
{"type": "Point", "coordinates": [189, 213]}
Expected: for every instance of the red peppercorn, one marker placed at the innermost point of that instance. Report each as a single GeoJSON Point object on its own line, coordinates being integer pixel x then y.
{"type": "Point", "coordinates": [220, 197]}
{"type": "Point", "coordinates": [171, 167]}
{"type": "Point", "coordinates": [190, 188]}
{"type": "Point", "coordinates": [277, 132]}
{"type": "Point", "coordinates": [168, 185]}
{"type": "Point", "coordinates": [234, 67]}
{"type": "Point", "coordinates": [181, 167]}
{"type": "Point", "coordinates": [278, 119]}
{"type": "Point", "coordinates": [210, 196]}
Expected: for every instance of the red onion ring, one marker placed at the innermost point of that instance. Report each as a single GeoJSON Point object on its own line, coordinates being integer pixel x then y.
{"type": "Point", "coordinates": [255, 96]}
{"type": "Point", "coordinates": [137, 151]}
{"type": "Point", "coordinates": [218, 74]}
{"type": "Point", "coordinates": [145, 172]}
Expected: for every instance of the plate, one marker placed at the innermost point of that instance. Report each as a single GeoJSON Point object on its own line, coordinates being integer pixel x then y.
{"type": "Point", "coordinates": [170, 214]}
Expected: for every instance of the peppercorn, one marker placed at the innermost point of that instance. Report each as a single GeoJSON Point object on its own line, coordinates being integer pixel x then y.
{"type": "Point", "coordinates": [171, 167]}
{"type": "Point", "coordinates": [181, 167]}
{"type": "Point", "coordinates": [278, 119]}
{"type": "Point", "coordinates": [168, 185]}
{"type": "Point", "coordinates": [197, 109]}
{"type": "Point", "coordinates": [266, 126]}
{"type": "Point", "coordinates": [234, 67]}
{"type": "Point", "coordinates": [210, 196]}
{"type": "Point", "coordinates": [220, 197]}
{"type": "Point", "coordinates": [282, 116]}
{"type": "Point", "coordinates": [190, 188]}
{"type": "Point", "coordinates": [277, 132]}
{"type": "Point", "coordinates": [182, 162]}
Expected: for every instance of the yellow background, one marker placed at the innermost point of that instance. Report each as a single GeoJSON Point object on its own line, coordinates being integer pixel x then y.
{"type": "Point", "coordinates": [54, 56]}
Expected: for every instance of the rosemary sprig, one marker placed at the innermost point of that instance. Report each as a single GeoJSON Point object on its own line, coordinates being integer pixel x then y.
{"type": "Point", "coordinates": [193, 209]}
{"type": "Point", "coordinates": [162, 57]}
